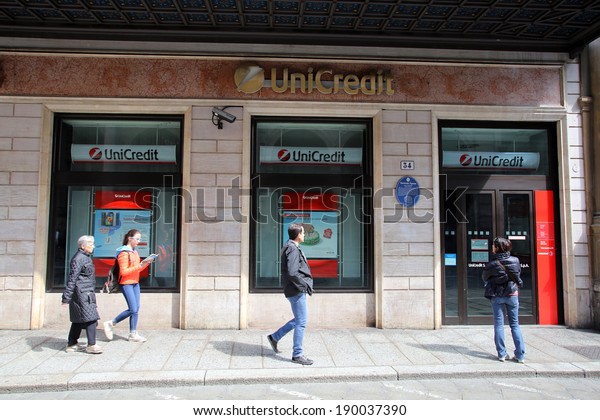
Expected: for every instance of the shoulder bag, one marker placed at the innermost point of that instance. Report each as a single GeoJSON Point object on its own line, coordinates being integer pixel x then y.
{"type": "Point", "coordinates": [510, 274]}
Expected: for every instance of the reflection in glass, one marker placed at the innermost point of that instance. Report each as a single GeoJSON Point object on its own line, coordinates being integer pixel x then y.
{"type": "Point", "coordinates": [517, 226]}
{"type": "Point", "coordinates": [479, 229]}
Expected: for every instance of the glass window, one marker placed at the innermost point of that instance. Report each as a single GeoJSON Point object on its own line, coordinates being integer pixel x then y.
{"type": "Point", "coordinates": [128, 145]}
{"type": "Point", "coordinates": [324, 148]}
{"type": "Point", "coordinates": [498, 150]}
{"type": "Point", "coordinates": [316, 173]}
{"type": "Point", "coordinates": [111, 175]}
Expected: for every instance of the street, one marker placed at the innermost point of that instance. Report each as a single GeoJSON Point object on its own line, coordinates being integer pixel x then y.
{"type": "Point", "coordinates": [444, 389]}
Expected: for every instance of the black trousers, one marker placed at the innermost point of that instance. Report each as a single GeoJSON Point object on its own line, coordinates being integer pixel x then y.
{"type": "Point", "coordinates": [90, 330]}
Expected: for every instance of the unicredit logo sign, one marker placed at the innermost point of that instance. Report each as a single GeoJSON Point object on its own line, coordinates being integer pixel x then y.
{"type": "Point", "coordinates": [311, 156]}
{"type": "Point", "coordinates": [118, 153]}
{"type": "Point", "coordinates": [284, 155]}
{"type": "Point", "coordinates": [96, 153]}
{"type": "Point", "coordinates": [466, 160]}
{"type": "Point", "coordinates": [317, 156]}
{"type": "Point", "coordinates": [130, 154]}
{"type": "Point", "coordinates": [250, 78]}
{"type": "Point", "coordinates": [491, 160]}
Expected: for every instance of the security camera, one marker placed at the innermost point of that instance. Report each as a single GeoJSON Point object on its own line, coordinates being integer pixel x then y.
{"type": "Point", "coordinates": [222, 115]}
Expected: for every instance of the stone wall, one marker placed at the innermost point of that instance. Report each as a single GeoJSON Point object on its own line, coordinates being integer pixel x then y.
{"type": "Point", "coordinates": [408, 236]}
{"type": "Point", "coordinates": [214, 236]}
{"type": "Point", "coordinates": [20, 131]}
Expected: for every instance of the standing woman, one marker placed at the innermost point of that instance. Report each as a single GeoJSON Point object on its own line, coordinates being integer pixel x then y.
{"type": "Point", "coordinates": [130, 267]}
{"type": "Point", "coordinates": [80, 296]}
{"type": "Point", "coordinates": [502, 279]}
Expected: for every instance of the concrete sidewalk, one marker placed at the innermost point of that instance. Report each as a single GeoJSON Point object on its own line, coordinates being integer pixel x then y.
{"type": "Point", "coordinates": [35, 361]}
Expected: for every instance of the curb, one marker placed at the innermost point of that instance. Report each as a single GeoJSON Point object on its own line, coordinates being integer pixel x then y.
{"type": "Point", "coordinates": [123, 380]}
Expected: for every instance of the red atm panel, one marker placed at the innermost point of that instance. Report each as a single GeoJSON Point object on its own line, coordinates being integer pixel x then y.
{"type": "Point", "coordinates": [546, 258]}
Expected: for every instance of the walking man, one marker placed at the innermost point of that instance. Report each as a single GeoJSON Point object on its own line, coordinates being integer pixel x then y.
{"type": "Point", "coordinates": [297, 283]}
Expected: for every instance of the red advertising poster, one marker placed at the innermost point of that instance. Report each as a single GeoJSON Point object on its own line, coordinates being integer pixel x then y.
{"type": "Point", "coordinates": [115, 213]}
{"type": "Point", "coordinates": [546, 258]}
{"type": "Point", "coordinates": [300, 200]}
{"type": "Point", "coordinates": [123, 200]}
{"type": "Point", "coordinates": [318, 213]}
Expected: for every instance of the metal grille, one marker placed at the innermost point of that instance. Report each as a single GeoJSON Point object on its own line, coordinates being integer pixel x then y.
{"type": "Point", "coordinates": [591, 352]}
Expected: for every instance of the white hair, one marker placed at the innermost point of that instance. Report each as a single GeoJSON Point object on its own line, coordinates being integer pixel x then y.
{"type": "Point", "coordinates": [84, 240]}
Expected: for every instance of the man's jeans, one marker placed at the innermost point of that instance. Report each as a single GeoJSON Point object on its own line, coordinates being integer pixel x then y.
{"type": "Point", "coordinates": [298, 324]}
{"type": "Point", "coordinates": [512, 309]}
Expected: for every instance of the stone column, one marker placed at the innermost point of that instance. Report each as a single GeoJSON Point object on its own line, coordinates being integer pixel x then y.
{"type": "Point", "coordinates": [591, 121]}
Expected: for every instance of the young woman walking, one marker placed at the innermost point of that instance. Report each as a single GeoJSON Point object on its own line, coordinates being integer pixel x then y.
{"type": "Point", "coordinates": [130, 267]}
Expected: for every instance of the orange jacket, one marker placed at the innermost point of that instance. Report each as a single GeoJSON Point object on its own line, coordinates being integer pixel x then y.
{"type": "Point", "coordinates": [129, 267]}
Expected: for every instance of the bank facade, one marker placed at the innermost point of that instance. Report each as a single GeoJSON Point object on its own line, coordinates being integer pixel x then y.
{"type": "Point", "coordinates": [402, 173]}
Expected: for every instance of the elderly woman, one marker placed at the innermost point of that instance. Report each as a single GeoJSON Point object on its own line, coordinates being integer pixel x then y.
{"type": "Point", "coordinates": [81, 297]}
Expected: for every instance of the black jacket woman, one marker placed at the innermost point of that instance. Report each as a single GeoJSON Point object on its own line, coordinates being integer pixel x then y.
{"type": "Point", "coordinates": [502, 280]}
{"type": "Point", "coordinates": [80, 295]}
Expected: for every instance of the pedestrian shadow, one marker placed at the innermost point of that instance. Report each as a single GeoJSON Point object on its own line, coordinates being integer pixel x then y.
{"type": "Point", "coordinates": [235, 348]}
{"type": "Point", "coordinates": [448, 348]}
{"type": "Point", "coordinates": [39, 343]}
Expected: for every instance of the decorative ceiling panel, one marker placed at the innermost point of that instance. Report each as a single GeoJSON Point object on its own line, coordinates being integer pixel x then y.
{"type": "Point", "coordinates": [533, 25]}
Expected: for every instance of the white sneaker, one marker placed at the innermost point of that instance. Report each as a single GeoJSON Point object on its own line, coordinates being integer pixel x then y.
{"type": "Point", "coordinates": [74, 348]}
{"type": "Point", "coordinates": [135, 337]}
{"type": "Point", "coordinates": [95, 349]}
{"type": "Point", "coordinates": [108, 330]}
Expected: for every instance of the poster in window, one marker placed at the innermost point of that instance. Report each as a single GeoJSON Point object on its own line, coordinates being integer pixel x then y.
{"type": "Point", "coordinates": [110, 226]}
{"type": "Point", "coordinates": [117, 212]}
{"type": "Point", "coordinates": [320, 232]}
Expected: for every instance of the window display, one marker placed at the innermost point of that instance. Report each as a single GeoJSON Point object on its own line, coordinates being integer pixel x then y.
{"type": "Point", "coordinates": [316, 174]}
{"type": "Point", "coordinates": [132, 156]}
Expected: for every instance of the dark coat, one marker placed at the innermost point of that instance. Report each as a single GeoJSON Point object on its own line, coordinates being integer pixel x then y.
{"type": "Point", "coordinates": [295, 271]}
{"type": "Point", "coordinates": [80, 291]}
{"type": "Point", "coordinates": [496, 280]}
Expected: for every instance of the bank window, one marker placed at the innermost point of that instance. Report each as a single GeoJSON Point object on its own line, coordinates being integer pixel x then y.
{"type": "Point", "coordinates": [476, 147]}
{"type": "Point", "coordinates": [318, 174]}
{"type": "Point", "coordinates": [112, 174]}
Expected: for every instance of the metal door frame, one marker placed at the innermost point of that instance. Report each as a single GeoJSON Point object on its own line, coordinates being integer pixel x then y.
{"type": "Point", "coordinates": [496, 186]}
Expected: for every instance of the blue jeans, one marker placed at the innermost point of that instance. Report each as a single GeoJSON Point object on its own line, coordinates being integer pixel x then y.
{"type": "Point", "coordinates": [132, 297]}
{"type": "Point", "coordinates": [298, 323]}
{"type": "Point", "coordinates": [512, 308]}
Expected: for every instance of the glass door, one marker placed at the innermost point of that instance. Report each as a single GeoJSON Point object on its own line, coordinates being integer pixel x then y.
{"type": "Point", "coordinates": [480, 209]}
{"type": "Point", "coordinates": [468, 239]}
{"type": "Point", "coordinates": [518, 227]}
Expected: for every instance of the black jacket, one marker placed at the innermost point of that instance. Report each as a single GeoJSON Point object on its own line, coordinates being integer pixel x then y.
{"type": "Point", "coordinates": [79, 293]}
{"type": "Point", "coordinates": [496, 280]}
{"type": "Point", "coordinates": [295, 271]}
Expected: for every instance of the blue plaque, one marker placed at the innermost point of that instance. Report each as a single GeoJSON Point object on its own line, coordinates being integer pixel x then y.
{"type": "Point", "coordinates": [407, 191]}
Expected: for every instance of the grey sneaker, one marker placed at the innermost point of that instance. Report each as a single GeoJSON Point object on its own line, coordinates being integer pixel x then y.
{"type": "Point", "coordinates": [302, 360]}
{"type": "Point", "coordinates": [74, 348]}
{"type": "Point", "coordinates": [503, 358]}
{"type": "Point", "coordinates": [95, 349]}
{"type": "Point", "coordinates": [108, 330]}
{"type": "Point", "coordinates": [135, 337]}
{"type": "Point", "coordinates": [514, 359]}
{"type": "Point", "coordinates": [273, 343]}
